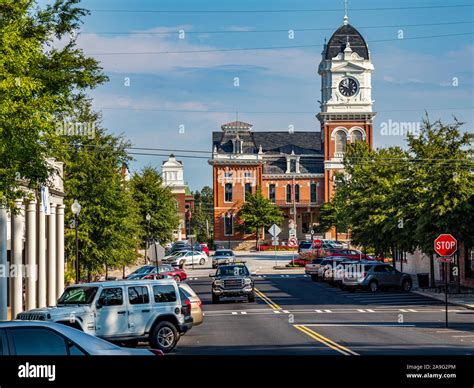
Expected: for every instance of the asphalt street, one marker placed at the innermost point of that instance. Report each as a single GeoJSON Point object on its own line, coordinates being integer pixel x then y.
{"type": "Point", "coordinates": [293, 315]}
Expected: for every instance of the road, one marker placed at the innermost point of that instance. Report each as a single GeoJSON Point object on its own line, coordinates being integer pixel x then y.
{"type": "Point", "coordinates": [295, 316]}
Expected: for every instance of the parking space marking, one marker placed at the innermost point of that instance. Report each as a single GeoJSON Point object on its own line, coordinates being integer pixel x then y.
{"type": "Point", "coordinates": [244, 313]}
{"type": "Point", "coordinates": [325, 341]}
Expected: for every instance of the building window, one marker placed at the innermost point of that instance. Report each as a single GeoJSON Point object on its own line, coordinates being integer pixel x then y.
{"type": "Point", "coordinates": [247, 175]}
{"type": "Point", "coordinates": [297, 193]}
{"type": "Point", "coordinates": [292, 165]}
{"type": "Point", "coordinates": [288, 193]}
{"type": "Point", "coordinates": [248, 190]}
{"type": "Point", "coordinates": [237, 146]}
{"type": "Point", "coordinates": [272, 193]}
{"type": "Point", "coordinates": [228, 192]}
{"type": "Point", "coordinates": [341, 141]}
{"type": "Point", "coordinates": [228, 225]}
{"type": "Point", "coordinates": [356, 136]}
{"type": "Point", "coordinates": [313, 194]}
{"type": "Point", "coordinates": [228, 174]}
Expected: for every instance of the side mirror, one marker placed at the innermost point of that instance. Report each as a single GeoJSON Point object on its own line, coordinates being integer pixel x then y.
{"type": "Point", "coordinates": [253, 273]}
{"type": "Point", "coordinates": [100, 303]}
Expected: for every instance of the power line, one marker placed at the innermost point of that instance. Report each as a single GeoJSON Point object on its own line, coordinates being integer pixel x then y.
{"type": "Point", "coordinates": [268, 47]}
{"type": "Point", "coordinates": [263, 31]}
{"type": "Point", "coordinates": [279, 10]}
{"type": "Point", "coordinates": [269, 112]}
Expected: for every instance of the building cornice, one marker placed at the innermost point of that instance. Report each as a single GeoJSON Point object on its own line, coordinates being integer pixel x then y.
{"type": "Point", "coordinates": [290, 176]}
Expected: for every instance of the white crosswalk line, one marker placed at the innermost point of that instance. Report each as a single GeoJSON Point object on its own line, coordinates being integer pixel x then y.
{"type": "Point", "coordinates": [244, 313]}
{"type": "Point", "coordinates": [327, 311]}
{"type": "Point", "coordinates": [234, 313]}
{"type": "Point", "coordinates": [286, 311]}
{"type": "Point", "coordinates": [276, 311]}
{"type": "Point", "coordinates": [361, 310]}
{"type": "Point", "coordinates": [403, 310]}
{"type": "Point", "coordinates": [370, 311]}
{"type": "Point", "coordinates": [318, 311]}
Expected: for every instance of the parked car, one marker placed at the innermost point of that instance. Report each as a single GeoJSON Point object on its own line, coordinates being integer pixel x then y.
{"type": "Point", "coordinates": [126, 311]}
{"type": "Point", "coordinates": [191, 298]}
{"type": "Point", "coordinates": [223, 256]}
{"type": "Point", "coordinates": [304, 246]}
{"type": "Point", "coordinates": [342, 269]}
{"type": "Point", "coordinates": [352, 254]}
{"type": "Point", "coordinates": [232, 281]}
{"type": "Point", "coordinates": [179, 246]}
{"type": "Point", "coordinates": [204, 248]}
{"type": "Point", "coordinates": [313, 268]}
{"type": "Point", "coordinates": [186, 258]}
{"type": "Point", "coordinates": [163, 271]}
{"type": "Point", "coordinates": [28, 338]}
{"type": "Point", "coordinates": [377, 276]}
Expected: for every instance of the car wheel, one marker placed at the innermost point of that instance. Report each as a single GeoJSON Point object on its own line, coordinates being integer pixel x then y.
{"type": "Point", "coordinates": [177, 278]}
{"type": "Point", "coordinates": [202, 262]}
{"type": "Point", "coordinates": [251, 297]}
{"type": "Point", "coordinates": [406, 286]}
{"type": "Point", "coordinates": [181, 264]}
{"type": "Point", "coordinates": [164, 337]}
{"type": "Point", "coordinates": [215, 298]}
{"type": "Point", "coordinates": [373, 286]}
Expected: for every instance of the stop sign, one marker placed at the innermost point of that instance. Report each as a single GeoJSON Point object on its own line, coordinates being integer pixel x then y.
{"type": "Point", "coordinates": [445, 245]}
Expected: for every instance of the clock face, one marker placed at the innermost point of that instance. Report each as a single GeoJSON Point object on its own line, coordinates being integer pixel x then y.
{"type": "Point", "coordinates": [348, 87]}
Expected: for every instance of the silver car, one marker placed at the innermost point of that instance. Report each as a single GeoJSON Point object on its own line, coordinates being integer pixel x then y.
{"type": "Point", "coordinates": [27, 338]}
{"type": "Point", "coordinates": [223, 256]}
{"type": "Point", "coordinates": [377, 276]}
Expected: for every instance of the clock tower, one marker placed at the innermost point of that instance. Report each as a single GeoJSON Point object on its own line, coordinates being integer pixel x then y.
{"type": "Point", "coordinates": [346, 98]}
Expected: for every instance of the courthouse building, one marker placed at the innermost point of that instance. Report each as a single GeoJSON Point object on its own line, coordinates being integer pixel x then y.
{"type": "Point", "coordinates": [296, 170]}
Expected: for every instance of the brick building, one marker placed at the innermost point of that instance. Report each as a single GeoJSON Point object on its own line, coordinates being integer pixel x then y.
{"type": "Point", "coordinates": [296, 169]}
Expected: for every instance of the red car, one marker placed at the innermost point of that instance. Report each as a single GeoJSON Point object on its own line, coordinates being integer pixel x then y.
{"type": "Point", "coordinates": [164, 271]}
{"type": "Point", "coordinates": [352, 254]}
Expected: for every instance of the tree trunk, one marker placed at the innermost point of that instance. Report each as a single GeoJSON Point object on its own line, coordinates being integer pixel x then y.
{"type": "Point", "coordinates": [432, 278]}
{"type": "Point", "coordinates": [257, 233]}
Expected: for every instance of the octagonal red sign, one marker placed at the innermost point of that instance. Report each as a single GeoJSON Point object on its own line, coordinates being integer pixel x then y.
{"type": "Point", "coordinates": [445, 245]}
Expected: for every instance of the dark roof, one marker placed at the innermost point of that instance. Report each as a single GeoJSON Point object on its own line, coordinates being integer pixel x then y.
{"type": "Point", "coordinates": [271, 142]}
{"type": "Point", "coordinates": [308, 165]}
{"type": "Point", "coordinates": [338, 42]}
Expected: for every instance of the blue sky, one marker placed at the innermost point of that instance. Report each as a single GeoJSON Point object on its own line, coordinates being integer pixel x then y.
{"type": "Point", "coordinates": [410, 76]}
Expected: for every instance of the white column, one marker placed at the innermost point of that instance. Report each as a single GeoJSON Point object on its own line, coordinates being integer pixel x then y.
{"type": "Point", "coordinates": [17, 251]}
{"type": "Point", "coordinates": [60, 250]}
{"type": "Point", "coordinates": [41, 257]}
{"type": "Point", "coordinates": [52, 256]}
{"type": "Point", "coordinates": [3, 264]}
{"type": "Point", "coordinates": [31, 255]}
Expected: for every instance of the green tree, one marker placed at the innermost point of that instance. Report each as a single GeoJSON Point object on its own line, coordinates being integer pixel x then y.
{"type": "Point", "coordinates": [441, 179]}
{"type": "Point", "coordinates": [108, 222]}
{"type": "Point", "coordinates": [258, 212]}
{"type": "Point", "coordinates": [202, 221]}
{"type": "Point", "coordinates": [153, 198]}
{"type": "Point", "coordinates": [39, 84]}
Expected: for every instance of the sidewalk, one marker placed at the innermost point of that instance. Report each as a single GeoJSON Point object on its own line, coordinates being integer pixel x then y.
{"type": "Point", "coordinates": [465, 300]}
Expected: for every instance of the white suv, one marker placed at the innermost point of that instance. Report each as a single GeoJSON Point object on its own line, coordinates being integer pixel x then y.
{"type": "Point", "coordinates": [122, 311]}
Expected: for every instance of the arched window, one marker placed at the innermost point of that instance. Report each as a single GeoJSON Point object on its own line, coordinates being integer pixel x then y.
{"type": "Point", "coordinates": [356, 136]}
{"type": "Point", "coordinates": [341, 141]}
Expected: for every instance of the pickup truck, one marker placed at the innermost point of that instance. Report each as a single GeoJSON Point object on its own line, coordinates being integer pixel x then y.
{"type": "Point", "coordinates": [232, 281]}
{"type": "Point", "coordinates": [313, 268]}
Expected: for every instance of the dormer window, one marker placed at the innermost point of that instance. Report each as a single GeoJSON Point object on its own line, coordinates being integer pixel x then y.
{"type": "Point", "coordinates": [237, 146]}
{"type": "Point", "coordinates": [292, 164]}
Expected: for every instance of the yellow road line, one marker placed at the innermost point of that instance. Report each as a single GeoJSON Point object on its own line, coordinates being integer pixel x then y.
{"type": "Point", "coordinates": [326, 341]}
{"type": "Point", "coordinates": [267, 300]}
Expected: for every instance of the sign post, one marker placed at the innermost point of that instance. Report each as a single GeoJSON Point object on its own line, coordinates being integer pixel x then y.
{"type": "Point", "coordinates": [445, 245]}
{"type": "Point", "coordinates": [274, 231]}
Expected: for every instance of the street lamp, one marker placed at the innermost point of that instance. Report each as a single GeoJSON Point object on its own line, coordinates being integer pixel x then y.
{"type": "Point", "coordinates": [148, 219]}
{"type": "Point", "coordinates": [76, 209]}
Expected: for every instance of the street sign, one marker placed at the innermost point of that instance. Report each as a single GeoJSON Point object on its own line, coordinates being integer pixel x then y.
{"type": "Point", "coordinates": [274, 230]}
{"type": "Point", "coordinates": [292, 233]}
{"type": "Point", "coordinates": [317, 244]}
{"type": "Point", "coordinates": [448, 259]}
{"type": "Point", "coordinates": [293, 242]}
{"type": "Point", "coordinates": [275, 241]}
{"type": "Point", "coordinates": [445, 245]}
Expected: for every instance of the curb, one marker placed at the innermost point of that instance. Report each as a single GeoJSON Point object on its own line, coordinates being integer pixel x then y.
{"type": "Point", "coordinates": [457, 303]}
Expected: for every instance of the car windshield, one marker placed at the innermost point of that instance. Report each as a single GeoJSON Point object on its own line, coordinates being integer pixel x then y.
{"type": "Point", "coordinates": [233, 271]}
{"type": "Point", "coordinates": [78, 295]}
{"type": "Point", "coordinates": [224, 253]}
{"type": "Point", "coordinates": [305, 245]}
{"type": "Point", "coordinates": [142, 270]}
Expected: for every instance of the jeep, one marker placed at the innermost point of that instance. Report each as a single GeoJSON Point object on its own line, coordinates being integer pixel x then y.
{"type": "Point", "coordinates": [122, 311]}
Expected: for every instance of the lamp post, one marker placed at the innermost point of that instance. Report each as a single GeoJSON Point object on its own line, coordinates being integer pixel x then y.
{"type": "Point", "coordinates": [76, 209]}
{"type": "Point", "coordinates": [148, 219]}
